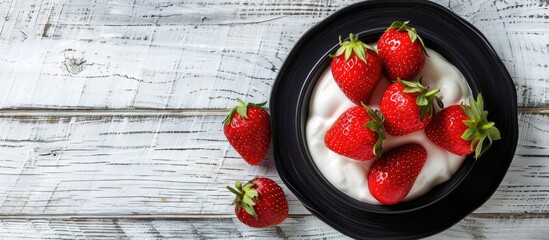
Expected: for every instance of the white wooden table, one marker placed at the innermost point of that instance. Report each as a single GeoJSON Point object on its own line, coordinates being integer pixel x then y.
{"type": "Point", "coordinates": [110, 115]}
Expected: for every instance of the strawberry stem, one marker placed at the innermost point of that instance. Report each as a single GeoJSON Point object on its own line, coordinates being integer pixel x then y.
{"type": "Point", "coordinates": [412, 33]}
{"type": "Point", "coordinates": [238, 193]}
{"type": "Point", "coordinates": [241, 109]}
{"type": "Point", "coordinates": [245, 196]}
{"type": "Point", "coordinates": [479, 128]}
{"type": "Point", "coordinates": [424, 98]}
{"type": "Point", "coordinates": [353, 45]}
{"type": "Point", "coordinates": [376, 124]}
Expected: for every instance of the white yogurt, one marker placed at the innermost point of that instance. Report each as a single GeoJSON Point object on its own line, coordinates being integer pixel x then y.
{"type": "Point", "coordinates": [328, 102]}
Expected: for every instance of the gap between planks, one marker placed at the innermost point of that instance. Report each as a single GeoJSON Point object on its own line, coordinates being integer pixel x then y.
{"type": "Point", "coordinates": [151, 112]}
{"type": "Point", "coordinates": [225, 216]}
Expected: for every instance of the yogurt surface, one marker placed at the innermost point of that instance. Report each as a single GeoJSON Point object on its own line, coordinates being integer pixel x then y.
{"type": "Point", "coordinates": [328, 102]}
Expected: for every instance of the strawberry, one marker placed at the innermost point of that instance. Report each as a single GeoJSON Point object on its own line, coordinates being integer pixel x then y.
{"type": "Point", "coordinates": [462, 129]}
{"type": "Point", "coordinates": [260, 202]}
{"type": "Point", "coordinates": [357, 134]}
{"type": "Point", "coordinates": [356, 69]}
{"type": "Point", "coordinates": [408, 106]}
{"type": "Point", "coordinates": [392, 176]}
{"type": "Point", "coordinates": [248, 129]}
{"type": "Point", "coordinates": [403, 56]}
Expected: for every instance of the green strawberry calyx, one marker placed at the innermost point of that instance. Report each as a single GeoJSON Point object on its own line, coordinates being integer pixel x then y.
{"type": "Point", "coordinates": [424, 98]}
{"type": "Point", "coordinates": [403, 26]}
{"type": "Point", "coordinates": [241, 109]}
{"type": "Point", "coordinates": [376, 125]}
{"type": "Point", "coordinates": [352, 45]}
{"type": "Point", "coordinates": [479, 128]}
{"type": "Point", "coordinates": [245, 196]}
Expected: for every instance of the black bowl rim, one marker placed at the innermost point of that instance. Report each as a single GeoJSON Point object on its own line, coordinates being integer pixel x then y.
{"type": "Point", "coordinates": [295, 51]}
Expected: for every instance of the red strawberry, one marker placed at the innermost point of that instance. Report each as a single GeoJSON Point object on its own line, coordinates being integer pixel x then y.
{"type": "Point", "coordinates": [357, 134]}
{"type": "Point", "coordinates": [356, 69]}
{"type": "Point", "coordinates": [248, 129]}
{"type": "Point", "coordinates": [392, 176]}
{"type": "Point", "coordinates": [402, 55]}
{"type": "Point", "coordinates": [462, 129]}
{"type": "Point", "coordinates": [260, 203]}
{"type": "Point", "coordinates": [408, 107]}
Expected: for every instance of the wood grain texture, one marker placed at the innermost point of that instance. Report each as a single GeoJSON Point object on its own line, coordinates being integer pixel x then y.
{"type": "Point", "coordinates": [150, 81]}
{"type": "Point", "coordinates": [472, 227]}
{"type": "Point", "coordinates": [120, 165]}
{"type": "Point", "coordinates": [200, 54]}
{"type": "Point", "coordinates": [179, 165]}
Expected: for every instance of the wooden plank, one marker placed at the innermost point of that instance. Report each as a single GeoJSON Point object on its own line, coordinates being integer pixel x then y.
{"type": "Point", "coordinates": [100, 165]}
{"type": "Point", "coordinates": [525, 187]}
{"type": "Point", "coordinates": [204, 54]}
{"type": "Point", "coordinates": [79, 165]}
{"type": "Point", "coordinates": [146, 54]}
{"type": "Point", "coordinates": [472, 227]}
{"type": "Point", "coordinates": [524, 51]}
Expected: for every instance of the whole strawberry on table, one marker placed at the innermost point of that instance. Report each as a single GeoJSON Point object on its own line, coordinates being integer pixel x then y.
{"type": "Point", "coordinates": [260, 202]}
{"type": "Point", "coordinates": [248, 129]}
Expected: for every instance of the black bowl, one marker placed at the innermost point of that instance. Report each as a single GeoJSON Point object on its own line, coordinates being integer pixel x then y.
{"type": "Point", "coordinates": [475, 181]}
